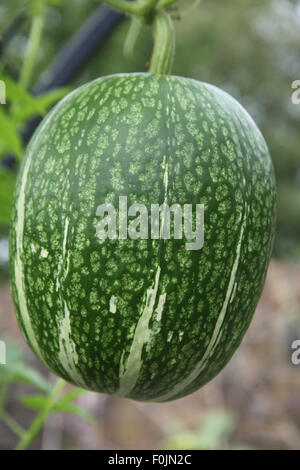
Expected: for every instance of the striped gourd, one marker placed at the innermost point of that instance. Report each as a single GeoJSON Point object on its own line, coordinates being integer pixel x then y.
{"type": "Point", "coordinates": [144, 318]}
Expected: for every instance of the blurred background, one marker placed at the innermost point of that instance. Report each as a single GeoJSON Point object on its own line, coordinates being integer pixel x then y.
{"type": "Point", "coordinates": [249, 48]}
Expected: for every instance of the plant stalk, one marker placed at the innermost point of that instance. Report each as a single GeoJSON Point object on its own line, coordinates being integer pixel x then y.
{"type": "Point", "coordinates": [138, 7]}
{"type": "Point", "coordinates": [12, 424]}
{"type": "Point", "coordinates": [32, 47]}
{"type": "Point", "coordinates": [39, 421]}
{"type": "Point", "coordinates": [151, 12]}
{"type": "Point", "coordinates": [164, 44]}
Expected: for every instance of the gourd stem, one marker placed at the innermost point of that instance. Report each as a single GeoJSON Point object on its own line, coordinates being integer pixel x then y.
{"type": "Point", "coordinates": [164, 44]}
{"type": "Point", "coordinates": [151, 12]}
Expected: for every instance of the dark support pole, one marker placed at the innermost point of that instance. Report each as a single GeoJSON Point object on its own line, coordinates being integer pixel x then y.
{"type": "Point", "coordinates": [81, 47]}
{"type": "Point", "coordinates": [75, 55]}
{"type": "Point", "coordinates": [70, 61]}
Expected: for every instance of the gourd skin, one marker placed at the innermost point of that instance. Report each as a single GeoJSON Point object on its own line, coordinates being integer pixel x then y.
{"type": "Point", "coordinates": [145, 319]}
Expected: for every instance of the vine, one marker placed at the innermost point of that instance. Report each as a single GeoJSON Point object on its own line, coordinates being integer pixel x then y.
{"type": "Point", "coordinates": [153, 12]}
{"type": "Point", "coordinates": [34, 40]}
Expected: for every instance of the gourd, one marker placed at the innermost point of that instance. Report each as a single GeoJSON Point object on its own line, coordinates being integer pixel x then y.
{"type": "Point", "coordinates": [107, 299]}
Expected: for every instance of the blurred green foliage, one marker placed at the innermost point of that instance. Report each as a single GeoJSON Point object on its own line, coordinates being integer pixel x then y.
{"type": "Point", "coordinates": [213, 433]}
{"type": "Point", "coordinates": [250, 48]}
{"type": "Point", "coordinates": [22, 106]}
{"type": "Point", "coordinates": [47, 401]}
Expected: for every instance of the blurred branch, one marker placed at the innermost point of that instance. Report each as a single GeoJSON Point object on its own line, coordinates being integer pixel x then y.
{"type": "Point", "coordinates": [32, 47]}
{"type": "Point", "coordinates": [12, 424]}
{"type": "Point", "coordinates": [39, 421]}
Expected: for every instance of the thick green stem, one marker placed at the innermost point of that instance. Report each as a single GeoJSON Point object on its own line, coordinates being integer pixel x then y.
{"type": "Point", "coordinates": [39, 421]}
{"type": "Point", "coordinates": [138, 7]}
{"type": "Point", "coordinates": [164, 44]}
{"type": "Point", "coordinates": [165, 3]}
{"type": "Point", "coordinates": [32, 48]}
{"type": "Point", "coordinates": [151, 12]}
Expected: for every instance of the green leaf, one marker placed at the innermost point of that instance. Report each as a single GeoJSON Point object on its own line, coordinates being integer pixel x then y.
{"type": "Point", "coordinates": [77, 410]}
{"type": "Point", "coordinates": [74, 393]}
{"type": "Point", "coordinates": [9, 140]}
{"type": "Point", "coordinates": [35, 402]}
{"type": "Point", "coordinates": [65, 405]}
{"type": "Point", "coordinates": [7, 185]}
{"type": "Point", "coordinates": [40, 402]}
{"type": "Point", "coordinates": [16, 370]}
{"type": "Point", "coordinates": [16, 94]}
{"type": "Point", "coordinates": [25, 374]}
{"type": "Point", "coordinates": [24, 105]}
{"type": "Point", "coordinates": [45, 101]}
{"type": "Point", "coordinates": [182, 441]}
{"type": "Point", "coordinates": [215, 426]}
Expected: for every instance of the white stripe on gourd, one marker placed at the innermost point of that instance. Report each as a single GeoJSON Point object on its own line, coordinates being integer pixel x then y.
{"type": "Point", "coordinates": [130, 372]}
{"type": "Point", "coordinates": [68, 356]}
{"type": "Point", "coordinates": [160, 306]}
{"type": "Point", "coordinates": [18, 265]}
{"type": "Point", "coordinates": [61, 259]}
{"type": "Point", "coordinates": [113, 304]}
{"type": "Point", "coordinates": [217, 333]}
{"type": "Point", "coordinates": [44, 253]}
